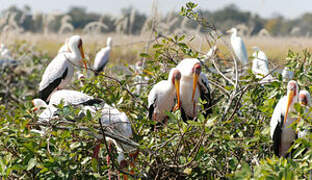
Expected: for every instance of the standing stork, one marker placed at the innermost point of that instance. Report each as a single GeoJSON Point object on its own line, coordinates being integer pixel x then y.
{"type": "Point", "coordinates": [194, 85]}
{"type": "Point", "coordinates": [282, 134]}
{"type": "Point", "coordinates": [239, 47]}
{"type": "Point", "coordinates": [102, 57]}
{"type": "Point", "coordinates": [61, 69]}
{"type": "Point", "coordinates": [161, 98]}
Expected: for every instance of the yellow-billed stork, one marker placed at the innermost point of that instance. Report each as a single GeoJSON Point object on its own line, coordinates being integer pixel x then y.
{"type": "Point", "coordinates": [161, 98]}
{"type": "Point", "coordinates": [281, 133]}
{"type": "Point", "coordinates": [61, 69]}
{"type": "Point", "coordinates": [193, 85]}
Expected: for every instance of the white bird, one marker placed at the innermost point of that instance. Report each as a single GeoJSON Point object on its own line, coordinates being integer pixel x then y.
{"type": "Point", "coordinates": [238, 46]}
{"type": "Point", "coordinates": [102, 57]}
{"type": "Point", "coordinates": [45, 111]}
{"type": "Point", "coordinates": [161, 98]}
{"type": "Point", "coordinates": [140, 79]}
{"type": "Point", "coordinates": [5, 52]}
{"type": "Point", "coordinates": [211, 52]}
{"type": "Point", "coordinates": [64, 48]}
{"type": "Point", "coordinates": [281, 133]}
{"type": "Point", "coordinates": [260, 65]}
{"type": "Point", "coordinates": [193, 85]}
{"type": "Point", "coordinates": [287, 74]}
{"type": "Point", "coordinates": [80, 77]}
{"type": "Point", "coordinates": [113, 120]}
{"type": "Point", "coordinates": [61, 69]}
{"type": "Point", "coordinates": [72, 97]}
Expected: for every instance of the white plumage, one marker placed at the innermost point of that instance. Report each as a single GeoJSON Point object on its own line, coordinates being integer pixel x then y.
{"type": "Point", "coordinates": [102, 57]}
{"type": "Point", "coordinates": [287, 74]}
{"type": "Point", "coordinates": [212, 51]}
{"type": "Point", "coordinates": [115, 121]}
{"type": "Point", "coordinates": [161, 98]}
{"type": "Point", "coordinates": [283, 135]}
{"type": "Point", "coordinates": [5, 52]}
{"type": "Point", "coordinates": [193, 85]}
{"type": "Point", "coordinates": [61, 69]}
{"type": "Point", "coordinates": [260, 65]}
{"type": "Point", "coordinates": [238, 46]}
{"type": "Point", "coordinates": [69, 97]}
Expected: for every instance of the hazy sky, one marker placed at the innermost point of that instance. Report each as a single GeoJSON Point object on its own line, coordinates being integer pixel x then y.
{"type": "Point", "coordinates": [266, 8]}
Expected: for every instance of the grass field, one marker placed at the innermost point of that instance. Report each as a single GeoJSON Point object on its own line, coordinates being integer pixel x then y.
{"type": "Point", "coordinates": [127, 48]}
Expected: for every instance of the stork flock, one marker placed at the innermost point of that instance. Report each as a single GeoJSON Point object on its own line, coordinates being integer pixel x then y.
{"type": "Point", "coordinates": [186, 85]}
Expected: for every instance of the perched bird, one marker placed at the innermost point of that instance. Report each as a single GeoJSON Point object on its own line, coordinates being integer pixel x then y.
{"type": "Point", "coordinates": [45, 111]}
{"type": "Point", "coordinates": [5, 52]}
{"type": "Point", "coordinates": [113, 120]}
{"type": "Point", "coordinates": [281, 133]}
{"type": "Point", "coordinates": [61, 69]}
{"type": "Point", "coordinates": [118, 123]}
{"type": "Point", "coordinates": [139, 78]}
{"type": "Point", "coordinates": [102, 57]}
{"type": "Point", "coordinates": [212, 51]}
{"type": "Point", "coordinates": [238, 46]}
{"type": "Point", "coordinates": [287, 74]}
{"type": "Point", "coordinates": [81, 78]}
{"type": "Point", "coordinates": [193, 85]}
{"type": "Point", "coordinates": [260, 65]}
{"type": "Point", "coordinates": [72, 97]}
{"type": "Point", "coordinates": [161, 98]}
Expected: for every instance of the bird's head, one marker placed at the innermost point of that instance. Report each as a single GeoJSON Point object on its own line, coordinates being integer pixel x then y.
{"type": "Point", "coordinates": [232, 31]}
{"type": "Point", "coordinates": [196, 70]}
{"type": "Point", "coordinates": [175, 77]}
{"type": "Point", "coordinates": [304, 98]}
{"type": "Point", "coordinates": [292, 93]}
{"type": "Point", "coordinates": [38, 104]}
{"type": "Point", "coordinates": [75, 42]}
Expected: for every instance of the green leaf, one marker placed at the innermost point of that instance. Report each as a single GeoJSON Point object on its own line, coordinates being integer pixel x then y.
{"type": "Point", "coordinates": [74, 145]}
{"type": "Point", "coordinates": [31, 163]}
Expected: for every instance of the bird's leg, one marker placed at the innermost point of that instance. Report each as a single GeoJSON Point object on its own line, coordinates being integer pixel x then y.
{"type": "Point", "coordinates": [194, 108]}
{"type": "Point", "coordinates": [123, 164]}
{"type": "Point", "coordinates": [108, 160]}
{"type": "Point", "coordinates": [155, 119]}
{"type": "Point", "coordinates": [133, 157]}
{"type": "Point", "coordinates": [97, 150]}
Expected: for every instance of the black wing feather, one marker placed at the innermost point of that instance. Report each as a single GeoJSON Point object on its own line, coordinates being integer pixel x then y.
{"type": "Point", "coordinates": [98, 70]}
{"type": "Point", "coordinates": [151, 109]}
{"type": "Point", "coordinates": [277, 137]}
{"type": "Point", "coordinates": [92, 102]}
{"type": "Point", "coordinates": [206, 95]}
{"type": "Point", "coordinates": [45, 93]}
{"type": "Point", "coordinates": [183, 115]}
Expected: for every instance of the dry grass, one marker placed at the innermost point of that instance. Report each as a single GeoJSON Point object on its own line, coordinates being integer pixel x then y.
{"type": "Point", "coordinates": [126, 49]}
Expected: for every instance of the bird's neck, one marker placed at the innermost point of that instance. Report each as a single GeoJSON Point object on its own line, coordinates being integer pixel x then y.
{"type": "Point", "coordinates": [74, 56]}
{"type": "Point", "coordinates": [234, 33]}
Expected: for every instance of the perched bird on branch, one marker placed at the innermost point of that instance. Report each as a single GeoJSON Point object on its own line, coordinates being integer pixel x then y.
{"type": "Point", "coordinates": [61, 69]}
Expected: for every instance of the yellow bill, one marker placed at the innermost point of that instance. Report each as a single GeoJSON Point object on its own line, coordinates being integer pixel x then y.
{"type": "Point", "coordinates": [290, 98]}
{"type": "Point", "coordinates": [177, 86]}
{"type": "Point", "coordinates": [195, 79]}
